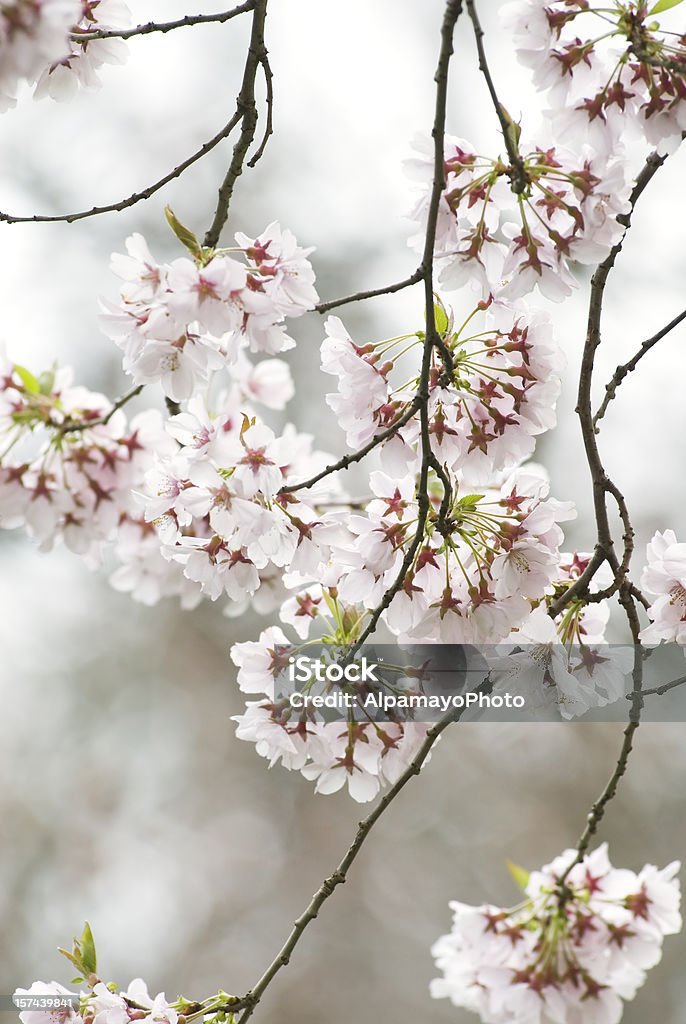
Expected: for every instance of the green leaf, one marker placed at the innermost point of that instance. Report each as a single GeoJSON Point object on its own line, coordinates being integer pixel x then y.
{"type": "Point", "coordinates": [184, 234]}
{"type": "Point", "coordinates": [471, 500]}
{"type": "Point", "coordinates": [88, 955]}
{"type": "Point", "coordinates": [46, 382]}
{"type": "Point", "coordinates": [520, 875]}
{"type": "Point", "coordinates": [76, 981]}
{"type": "Point", "coordinates": [73, 958]}
{"type": "Point", "coordinates": [513, 130]}
{"type": "Point", "coordinates": [27, 379]}
{"type": "Point", "coordinates": [440, 318]}
{"type": "Point", "coordinates": [663, 5]}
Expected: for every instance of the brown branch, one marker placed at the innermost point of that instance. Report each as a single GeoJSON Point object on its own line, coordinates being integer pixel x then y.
{"type": "Point", "coordinates": [163, 26]}
{"type": "Point", "coordinates": [517, 170]}
{"type": "Point", "coordinates": [660, 690]}
{"type": "Point", "coordinates": [269, 123]}
{"type": "Point", "coordinates": [626, 368]}
{"type": "Point", "coordinates": [72, 426]}
{"type": "Point", "coordinates": [136, 197]}
{"type": "Point", "coordinates": [432, 338]}
{"type": "Point", "coordinates": [338, 877]}
{"type": "Point", "coordinates": [601, 483]}
{"type": "Point", "coordinates": [324, 307]}
{"type": "Point", "coordinates": [246, 108]}
{"type": "Point", "coordinates": [349, 460]}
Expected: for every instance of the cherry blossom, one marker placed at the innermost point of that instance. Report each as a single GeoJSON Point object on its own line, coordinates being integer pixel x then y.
{"type": "Point", "coordinates": [665, 579]}
{"type": "Point", "coordinates": [576, 948]}
{"type": "Point", "coordinates": [33, 34]}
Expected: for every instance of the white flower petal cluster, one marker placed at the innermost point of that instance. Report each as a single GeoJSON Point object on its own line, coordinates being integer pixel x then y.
{"type": "Point", "coordinates": [178, 323]}
{"type": "Point", "coordinates": [508, 244]}
{"type": "Point", "coordinates": [664, 578]}
{"type": "Point", "coordinates": [67, 465]}
{"type": "Point", "coordinates": [217, 503]}
{"type": "Point", "coordinates": [571, 952]}
{"type": "Point", "coordinates": [609, 73]}
{"type": "Point", "coordinates": [100, 1005]}
{"type": "Point", "coordinates": [79, 65]}
{"type": "Point", "coordinates": [363, 756]}
{"type": "Point", "coordinates": [33, 35]}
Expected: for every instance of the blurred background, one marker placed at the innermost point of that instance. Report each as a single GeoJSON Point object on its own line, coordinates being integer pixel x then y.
{"type": "Point", "coordinates": [125, 798]}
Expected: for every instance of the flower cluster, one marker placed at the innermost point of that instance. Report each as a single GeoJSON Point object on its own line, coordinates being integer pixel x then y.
{"type": "Point", "coordinates": [354, 751]}
{"type": "Point", "coordinates": [665, 579]}
{"type": "Point", "coordinates": [177, 323]}
{"type": "Point", "coordinates": [80, 62]}
{"type": "Point", "coordinates": [508, 243]}
{"type": "Point", "coordinates": [217, 502]}
{"type": "Point", "coordinates": [39, 43]}
{"type": "Point", "coordinates": [575, 949]}
{"type": "Point", "coordinates": [100, 1005]}
{"type": "Point", "coordinates": [485, 409]}
{"type": "Point", "coordinates": [33, 34]}
{"type": "Point", "coordinates": [606, 69]}
{"type": "Point", "coordinates": [68, 460]}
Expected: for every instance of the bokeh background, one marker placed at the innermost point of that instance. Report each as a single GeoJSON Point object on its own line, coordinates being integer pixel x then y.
{"type": "Point", "coordinates": [125, 798]}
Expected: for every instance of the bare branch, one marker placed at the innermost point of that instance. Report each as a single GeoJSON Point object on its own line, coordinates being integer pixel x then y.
{"type": "Point", "coordinates": [626, 368]}
{"type": "Point", "coordinates": [136, 197]}
{"type": "Point", "coordinates": [247, 111]}
{"type": "Point", "coordinates": [389, 289]}
{"type": "Point", "coordinates": [517, 172]}
{"type": "Point", "coordinates": [660, 690]}
{"type": "Point", "coordinates": [163, 26]}
{"type": "Point", "coordinates": [269, 124]}
{"type": "Point", "coordinates": [432, 338]}
{"type": "Point", "coordinates": [338, 877]}
{"type": "Point", "coordinates": [349, 460]}
{"type": "Point", "coordinates": [72, 426]}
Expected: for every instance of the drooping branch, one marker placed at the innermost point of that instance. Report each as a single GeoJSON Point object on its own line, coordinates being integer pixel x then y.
{"type": "Point", "coordinates": [432, 339]}
{"type": "Point", "coordinates": [246, 108]}
{"type": "Point", "coordinates": [602, 485]}
{"type": "Point", "coordinates": [517, 171]}
{"type": "Point", "coordinates": [626, 368]}
{"type": "Point", "coordinates": [164, 26]}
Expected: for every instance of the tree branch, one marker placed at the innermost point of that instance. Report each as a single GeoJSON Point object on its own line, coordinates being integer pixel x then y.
{"type": "Point", "coordinates": [517, 171]}
{"type": "Point", "coordinates": [626, 368]}
{"type": "Point", "coordinates": [71, 426]}
{"type": "Point", "coordinates": [136, 197]}
{"type": "Point", "coordinates": [324, 307]}
{"type": "Point", "coordinates": [432, 338]}
{"type": "Point", "coordinates": [163, 26]}
{"type": "Point", "coordinates": [247, 110]}
{"type": "Point", "coordinates": [349, 460]}
{"type": "Point", "coordinates": [338, 877]}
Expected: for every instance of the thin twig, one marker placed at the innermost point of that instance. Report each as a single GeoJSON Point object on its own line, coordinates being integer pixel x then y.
{"type": "Point", "coordinates": [659, 690]}
{"type": "Point", "coordinates": [389, 289]}
{"type": "Point", "coordinates": [601, 483]}
{"type": "Point", "coordinates": [432, 338]}
{"type": "Point", "coordinates": [247, 110]}
{"type": "Point", "coordinates": [338, 877]}
{"type": "Point", "coordinates": [626, 368]}
{"type": "Point", "coordinates": [163, 26]}
{"type": "Point", "coordinates": [517, 171]}
{"type": "Point", "coordinates": [269, 123]}
{"type": "Point", "coordinates": [136, 197]}
{"type": "Point", "coordinates": [349, 460]}
{"type": "Point", "coordinates": [71, 426]}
